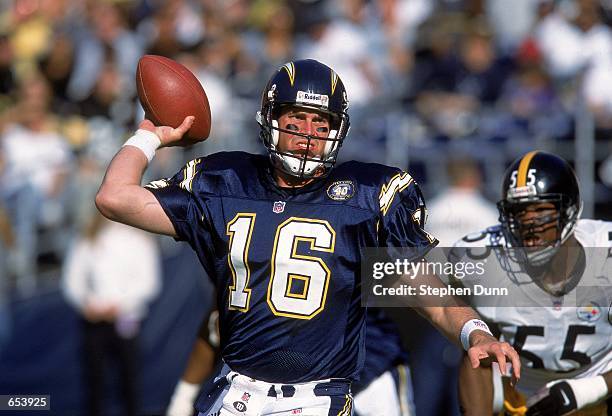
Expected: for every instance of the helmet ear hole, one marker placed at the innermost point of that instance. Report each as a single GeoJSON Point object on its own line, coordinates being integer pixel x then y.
{"type": "Point", "coordinates": [276, 110]}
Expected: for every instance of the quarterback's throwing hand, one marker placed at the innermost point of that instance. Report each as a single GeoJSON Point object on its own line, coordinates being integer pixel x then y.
{"type": "Point", "coordinates": [169, 136]}
{"type": "Point", "coordinates": [486, 348]}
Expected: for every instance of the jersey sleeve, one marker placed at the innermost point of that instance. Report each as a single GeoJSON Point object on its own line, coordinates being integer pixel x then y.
{"type": "Point", "coordinates": [403, 215]}
{"type": "Point", "coordinates": [186, 212]}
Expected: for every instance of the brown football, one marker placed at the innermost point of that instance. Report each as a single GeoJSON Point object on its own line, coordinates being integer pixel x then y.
{"type": "Point", "coordinates": [169, 92]}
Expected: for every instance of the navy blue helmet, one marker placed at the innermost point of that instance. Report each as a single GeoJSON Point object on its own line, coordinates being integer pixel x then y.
{"type": "Point", "coordinates": [311, 85]}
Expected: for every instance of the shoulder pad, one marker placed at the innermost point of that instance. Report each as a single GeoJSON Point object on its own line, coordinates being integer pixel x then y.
{"type": "Point", "coordinates": [594, 233]}
{"type": "Point", "coordinates": [489, 237]}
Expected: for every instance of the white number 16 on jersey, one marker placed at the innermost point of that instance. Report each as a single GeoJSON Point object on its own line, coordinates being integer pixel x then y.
{"type": "Point", "coordinates": [298, 283]}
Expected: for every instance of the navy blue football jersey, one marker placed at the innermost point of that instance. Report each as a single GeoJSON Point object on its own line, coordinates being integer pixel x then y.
{"type": "Point", "coordinates": [286, 262]}
{"type": "Point", "coordinates": [384, 349]}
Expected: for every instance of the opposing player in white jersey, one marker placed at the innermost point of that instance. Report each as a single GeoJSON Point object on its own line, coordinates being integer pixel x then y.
{"type": "Point", "coordinates": [553, 276]}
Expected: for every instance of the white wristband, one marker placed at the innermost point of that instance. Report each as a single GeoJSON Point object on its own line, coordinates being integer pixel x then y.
{"type": "Point", "coordinates": [587, 390]}
{"type": "Point", "coordinates": [468, 328]}
{"type": "Point", "coordinates": [181, 403]}
{"type": "Point", "coordinates": [146, 141]}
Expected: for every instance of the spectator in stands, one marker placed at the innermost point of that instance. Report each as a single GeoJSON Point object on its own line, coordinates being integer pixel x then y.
{"type": "Point", "coordinates": [512, 21]}
{"type": "Point", "coordinates": [7, 236]}
{"type": "Point", "coordinates": [56, 66]}
{"type": "Point", "coordinates": [276, 21]}
{"type": "Point", "coordinates": [110, 97]}
{"type": "Point", "coordinates": [454, 211]}
{"type": "Point", "coordinates": [211, 65]}
{"type": "Point", "coordinates": [352, 62]}
{"type": "Point", "coordinates": [272, 40]}
{"type": "Point", "coordinates": [105, 30]}
{"type": "Point", "coordinates": [451, 88]}
{"type": "Point", "coordinates": [597, 87]}
{"type": "Point", "coordinates": [111, 275]}
{"type": "Point", "coordinates": [559, 41]}
{"type": "Point", "coordinates": [7, 74]}
{"type": "Point", "coordinates": [401, 19]}
{"type": "Point", "coordinates": [7, 240]}
{"type": "Point", "coordinates": [173, 26]}
{"type": "Point", "coordinates": [34, 181]}
{"type": "Point", "coordinates": [530, 100]}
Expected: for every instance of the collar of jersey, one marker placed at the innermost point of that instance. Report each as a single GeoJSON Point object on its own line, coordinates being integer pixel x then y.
{"type": "Point", "coordinates": [270, 183]}
{"type": "Point", "coordinates": [574, 276]}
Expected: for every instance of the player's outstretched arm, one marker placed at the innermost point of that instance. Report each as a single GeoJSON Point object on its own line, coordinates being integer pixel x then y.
{"type": "Point", "coordinates": [475, 389]}
{"type": "Point", "coordinates": [121, 197]}
{"type": "Point", "coordinates": [565, 396]}
{"type": "Point", "coordinates": [459, 322]}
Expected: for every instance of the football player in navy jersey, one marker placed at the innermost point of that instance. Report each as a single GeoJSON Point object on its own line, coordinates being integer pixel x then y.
{"type": "Point", "coordinates": [282, 237]}
{"type": "Point", "coordinates": [384, 386]}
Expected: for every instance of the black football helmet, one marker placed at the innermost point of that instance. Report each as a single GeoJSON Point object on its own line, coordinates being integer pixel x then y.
{"type": "Point", "coordinates": [539, 177]}
{"type": "Point", "coordinates": [312, 85]}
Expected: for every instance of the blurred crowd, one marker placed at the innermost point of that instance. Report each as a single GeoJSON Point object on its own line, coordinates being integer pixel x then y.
{"type": "Point", "coordinates": [425, 78]}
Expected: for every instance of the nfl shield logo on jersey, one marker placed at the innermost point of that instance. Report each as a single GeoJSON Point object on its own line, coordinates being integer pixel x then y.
{"type": "Point", "coordinates": [279, 206]}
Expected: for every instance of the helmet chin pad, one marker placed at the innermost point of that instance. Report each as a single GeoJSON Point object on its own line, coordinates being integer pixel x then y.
{"type": "Point", "coordinates": [542, 256]}
{"type": "Point", "coordinates": [296, 165]}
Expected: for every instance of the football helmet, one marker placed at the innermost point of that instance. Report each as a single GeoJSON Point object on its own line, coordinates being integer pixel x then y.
{"type": "Point", "coordinates": [533, 180]}
{"type": "Point", "coordinates": [305, 84]}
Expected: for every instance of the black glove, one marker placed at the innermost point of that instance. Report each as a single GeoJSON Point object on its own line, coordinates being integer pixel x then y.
{"type": "Point", "coordinates": [556, 400]}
